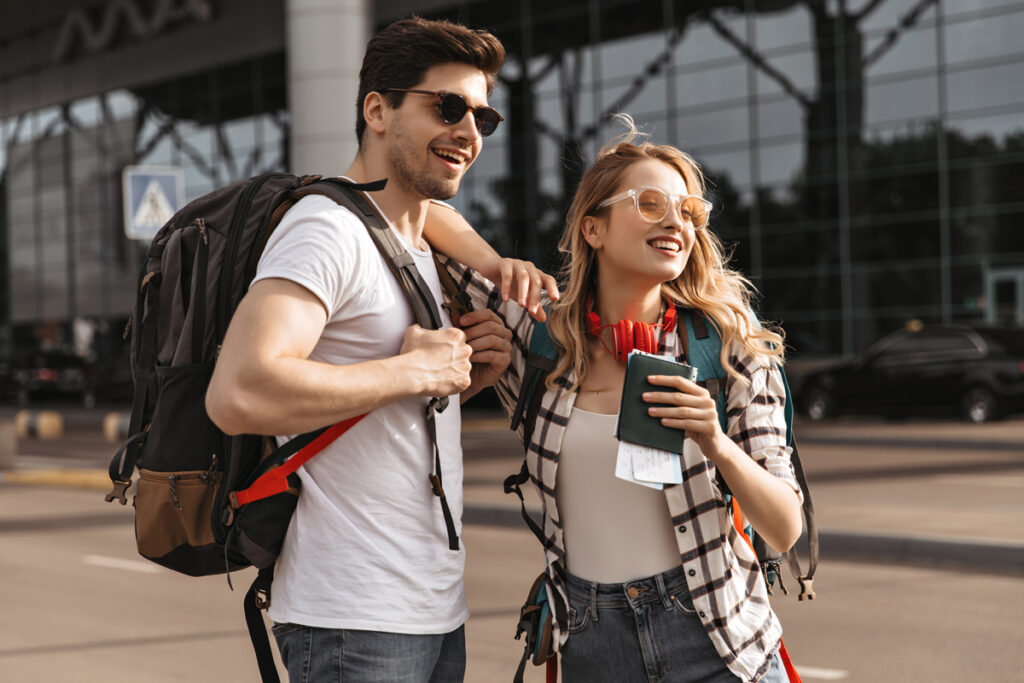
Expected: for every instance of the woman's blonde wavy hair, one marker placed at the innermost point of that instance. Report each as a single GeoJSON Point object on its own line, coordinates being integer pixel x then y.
{"type": "Point", "coordinates": [706, 283]}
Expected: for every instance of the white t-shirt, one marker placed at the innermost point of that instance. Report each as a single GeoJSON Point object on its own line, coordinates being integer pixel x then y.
{"type": "Point", "coordinates": [367, 548]}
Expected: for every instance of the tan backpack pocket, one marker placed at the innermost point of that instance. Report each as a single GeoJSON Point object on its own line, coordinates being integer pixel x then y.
{"type": "Point", "coordinates": [172, 513]}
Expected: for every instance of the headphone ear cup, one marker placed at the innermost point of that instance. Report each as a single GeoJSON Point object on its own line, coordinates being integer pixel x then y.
{"type": "Point", "coordinates": [623, 339]}
{"type": "Point", "coordinates": [643, 337]}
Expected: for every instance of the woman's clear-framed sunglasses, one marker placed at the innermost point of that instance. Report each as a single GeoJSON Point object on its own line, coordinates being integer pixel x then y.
{"type": "Point", "coordinates": [652, 204]}
{"type": "Point", "coordinates": [453, 107]}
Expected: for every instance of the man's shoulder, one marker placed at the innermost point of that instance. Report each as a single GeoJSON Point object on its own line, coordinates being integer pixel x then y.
{"type": "Point", "coordinates": [317, 219]}
{"type": "Point", "coordinates": [321, 207]}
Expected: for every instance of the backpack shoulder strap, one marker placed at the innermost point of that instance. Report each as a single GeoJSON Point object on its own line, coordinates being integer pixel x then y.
{"type": "Point", "coordinates": [703, 351]}
{"type": "Point", "coordinates": [540, 362]}
{"type": "Point", "coordinates": [350, 195]}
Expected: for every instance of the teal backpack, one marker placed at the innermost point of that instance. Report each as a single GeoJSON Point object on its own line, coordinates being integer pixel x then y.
{"type": "Point", "coordinates": [704, 348]}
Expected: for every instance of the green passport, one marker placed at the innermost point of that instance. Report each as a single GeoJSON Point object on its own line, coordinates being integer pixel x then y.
{"type": "Point", "coordinates": [635, 425]}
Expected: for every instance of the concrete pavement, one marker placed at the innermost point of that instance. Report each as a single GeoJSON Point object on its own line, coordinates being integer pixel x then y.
{"type": "Point", "coordinates": [913, 492]}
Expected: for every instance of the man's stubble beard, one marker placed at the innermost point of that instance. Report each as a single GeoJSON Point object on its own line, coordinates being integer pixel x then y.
{"type": "Point", "coordinates": [419, 180]}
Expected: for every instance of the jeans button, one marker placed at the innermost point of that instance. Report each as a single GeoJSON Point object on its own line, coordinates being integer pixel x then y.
{"type": "Point", "coordinates": [633, 592]}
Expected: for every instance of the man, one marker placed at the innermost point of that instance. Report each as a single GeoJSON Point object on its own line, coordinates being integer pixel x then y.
{"type": "Point", "coordinates": [366, 586]}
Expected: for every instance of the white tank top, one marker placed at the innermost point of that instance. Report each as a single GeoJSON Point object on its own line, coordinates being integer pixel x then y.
{"type": "Point", "coordinates": [615, 531]}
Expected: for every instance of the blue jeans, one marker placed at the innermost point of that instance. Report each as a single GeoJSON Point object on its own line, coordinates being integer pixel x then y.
{"type": "Point", "coordinates": [325, 655]}
{"type": "Point", "coordinates": [642, 631]}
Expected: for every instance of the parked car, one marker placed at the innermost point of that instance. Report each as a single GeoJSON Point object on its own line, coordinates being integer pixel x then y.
{"type": "Point", "coordinates": [54, 373]}
{"type": "Point", "coordinates": [975, 371]}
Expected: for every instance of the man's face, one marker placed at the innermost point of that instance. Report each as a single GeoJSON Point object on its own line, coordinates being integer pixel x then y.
{"type": "Point", "coordinates": [425, 154]}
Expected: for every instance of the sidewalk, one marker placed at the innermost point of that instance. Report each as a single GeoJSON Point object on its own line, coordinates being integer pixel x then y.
{"type": "Point", "coordinates": [941, 493]}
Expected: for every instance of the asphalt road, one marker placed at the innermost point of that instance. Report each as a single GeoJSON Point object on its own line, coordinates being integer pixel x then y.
{"type": "Point", "coordinates": [80, 605]}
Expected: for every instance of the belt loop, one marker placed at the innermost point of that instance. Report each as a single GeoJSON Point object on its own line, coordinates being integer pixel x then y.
{"type": "Point", "coordinates": [662, 591]}
{"type": "Point", "coordinates": [593, 601]}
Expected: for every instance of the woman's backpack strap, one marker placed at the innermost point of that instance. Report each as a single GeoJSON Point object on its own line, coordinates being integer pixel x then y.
{"type": "Point", "coordinates": [703, 351]}
{"type": "Point", "coordinates": [540, 362]}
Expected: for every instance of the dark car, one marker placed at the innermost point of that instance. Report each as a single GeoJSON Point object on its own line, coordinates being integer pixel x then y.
{"type": "Point", "coordinates": [55, 374]}
{"type": "Point", "coordinates": [975, 371]}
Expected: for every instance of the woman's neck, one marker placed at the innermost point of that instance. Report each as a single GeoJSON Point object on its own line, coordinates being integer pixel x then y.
{"type": "Point", "coordinates": [616, 302]}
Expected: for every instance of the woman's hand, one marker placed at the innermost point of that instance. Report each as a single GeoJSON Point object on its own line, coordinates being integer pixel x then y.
{"type": "Point", "coordinates": [769, 503]}
{"type": "Point", "coordinates": [526, 282]}
{"type": "Point", "coordinates": [448, 232]}
{"type": "Point", "coordinates": [689, 407]}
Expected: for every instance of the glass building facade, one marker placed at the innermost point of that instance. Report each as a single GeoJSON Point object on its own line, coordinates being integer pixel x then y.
{"type": "Point", "coordinates": [866, 157]}
{"type": "Point", "coordinates": [69, 271]}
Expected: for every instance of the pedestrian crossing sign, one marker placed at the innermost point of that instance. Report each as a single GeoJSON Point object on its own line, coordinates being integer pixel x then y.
{"type": "Point", "coordinates": [151, 196]}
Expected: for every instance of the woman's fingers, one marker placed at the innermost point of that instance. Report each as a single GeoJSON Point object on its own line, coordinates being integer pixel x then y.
{"type": "Point", "coordinates": [676, 382]}
{"type": "Point", "coordinates": [525, 283]}
{"type": "Point", "coordinates": [690, 407]}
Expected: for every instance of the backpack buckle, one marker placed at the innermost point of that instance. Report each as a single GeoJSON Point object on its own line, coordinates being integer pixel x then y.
{"type": "Point", "coordinates": [261, 598]}
{"type": "Point", "coordinates": [119, 491]}
{"type": "Point", "coordinates": [806, 589]}
{"type": "Point", "coordinates": [435, 483]}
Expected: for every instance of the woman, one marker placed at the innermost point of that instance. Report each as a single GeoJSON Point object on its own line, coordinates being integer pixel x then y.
{"type": "Point", "coordinates": [658, 583]}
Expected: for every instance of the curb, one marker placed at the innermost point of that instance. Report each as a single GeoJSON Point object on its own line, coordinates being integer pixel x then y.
{"type": "Point", "coordinates": [915, 442]}
{"type": "Point", "coordinates": [989, 556]}
{"type": "Point", "coordinates": [933, 551]}
{"type": "Point", "coordinates": [91, 479]}
{"type": "Point", "coordinates": [1003, 557]}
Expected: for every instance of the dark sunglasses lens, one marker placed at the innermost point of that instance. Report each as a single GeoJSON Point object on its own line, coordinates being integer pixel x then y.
{"type": "Point", "coordinates": [452, 108]}
{"type": "Point", "coordinates": [487, 120]}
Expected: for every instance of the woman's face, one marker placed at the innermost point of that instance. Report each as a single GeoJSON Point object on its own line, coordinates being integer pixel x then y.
{"type": "Point", "coordinates": [630, 249]}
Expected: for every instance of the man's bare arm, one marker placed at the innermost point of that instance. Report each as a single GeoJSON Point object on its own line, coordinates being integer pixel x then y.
{"type": "Point", "coordinates": [450, 233]}
{"type": "Point", "coordinates": [265, 383]}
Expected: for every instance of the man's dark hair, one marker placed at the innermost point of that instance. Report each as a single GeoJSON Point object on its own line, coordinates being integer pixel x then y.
{"type": "Point", "coordinates": [400, 55]}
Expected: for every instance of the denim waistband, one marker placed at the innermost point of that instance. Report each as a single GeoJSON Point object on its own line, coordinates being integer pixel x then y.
{"type": "Point", "coordinates": [662, 588]}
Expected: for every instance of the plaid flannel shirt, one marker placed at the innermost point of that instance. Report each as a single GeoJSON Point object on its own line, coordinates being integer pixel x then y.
{"type": "Point", "coordinates": [723, 573]}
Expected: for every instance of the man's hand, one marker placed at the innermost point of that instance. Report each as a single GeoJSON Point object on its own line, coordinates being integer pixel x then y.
{"type": "Point", "coordinates": [439, 360]}
{"type": "Point", "coordinates": [492, 348]}
{"type": "Point", "coordinates": [526, 282]}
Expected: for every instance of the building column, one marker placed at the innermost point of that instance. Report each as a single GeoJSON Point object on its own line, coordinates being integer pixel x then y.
{"type": "Point", "coordinates": [325, 41]}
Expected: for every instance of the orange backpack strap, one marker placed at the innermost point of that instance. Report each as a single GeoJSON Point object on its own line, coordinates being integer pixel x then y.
{"type": "Point", "coordinates": [737, 521]}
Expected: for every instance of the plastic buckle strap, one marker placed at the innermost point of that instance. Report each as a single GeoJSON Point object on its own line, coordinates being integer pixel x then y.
{"type": "Point", "coordinates": [119, 492]}
{"type": "Point", "coordinates": [435, 483]}
{"type": "Point", "coordinates": [436, 405]}
{"type": "Point", "coordinates": [514, 481]}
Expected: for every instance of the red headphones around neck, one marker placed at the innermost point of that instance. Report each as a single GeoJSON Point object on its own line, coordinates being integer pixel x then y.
{"type": "Point", "coordinates": [629, 335]}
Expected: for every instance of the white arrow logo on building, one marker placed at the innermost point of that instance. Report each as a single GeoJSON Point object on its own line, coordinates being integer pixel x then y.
{"type": "Point", "coordinates": [154, 209]}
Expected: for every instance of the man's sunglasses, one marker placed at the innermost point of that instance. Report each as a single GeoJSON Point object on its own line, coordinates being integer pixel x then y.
{"type": "Point", "coordinates": [453, 107]}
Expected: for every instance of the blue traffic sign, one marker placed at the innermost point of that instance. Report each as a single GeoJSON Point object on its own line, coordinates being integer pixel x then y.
{"type": "Point", "coordinates": [151, 196]}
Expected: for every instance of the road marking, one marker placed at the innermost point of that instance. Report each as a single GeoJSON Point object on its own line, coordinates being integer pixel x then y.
{"type": "Point", "coordinates": [813, 672]}
{"type": "Point", "coordinates": [980, 480]}
{"type": "Point", "coordinates": [117, 563]}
